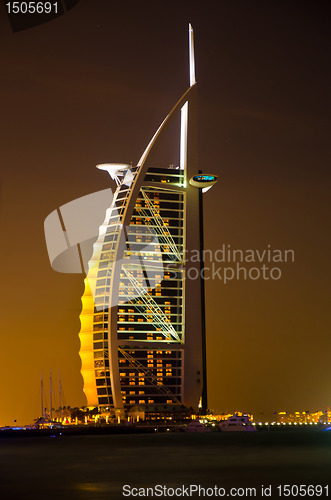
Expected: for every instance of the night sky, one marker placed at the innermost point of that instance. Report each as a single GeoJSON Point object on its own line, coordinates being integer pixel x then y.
{"type": "Point", "coordinates": [92, 86]}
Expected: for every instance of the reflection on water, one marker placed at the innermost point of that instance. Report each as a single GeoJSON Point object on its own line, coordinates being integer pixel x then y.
{"type": "Point", "coordinates": [97, 467]}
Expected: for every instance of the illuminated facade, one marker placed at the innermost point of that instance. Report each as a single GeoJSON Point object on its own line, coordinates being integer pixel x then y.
{"type": "Point", "coordinates": [141, 327]}
{"type": "Point", "coordinates": [303, 417]}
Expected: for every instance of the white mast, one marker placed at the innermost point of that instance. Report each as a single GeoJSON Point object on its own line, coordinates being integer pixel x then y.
{"type": "Point", "coordinates": [191, 55]}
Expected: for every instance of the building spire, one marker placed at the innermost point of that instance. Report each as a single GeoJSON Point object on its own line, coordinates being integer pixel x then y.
{"type": "Point", "coordinates": [191, 55]}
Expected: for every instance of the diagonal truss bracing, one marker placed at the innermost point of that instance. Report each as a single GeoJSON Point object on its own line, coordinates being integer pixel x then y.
{"type": "Point", "coordinates": [137, 366]}
{"type": "Point", "coordinates": [159, 317]}
{"type": "Point", "coordinates": [161, 229]}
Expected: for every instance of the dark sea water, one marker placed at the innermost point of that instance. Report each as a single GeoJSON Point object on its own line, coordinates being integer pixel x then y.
{"type": "Point", "coordinates": [97, 467]}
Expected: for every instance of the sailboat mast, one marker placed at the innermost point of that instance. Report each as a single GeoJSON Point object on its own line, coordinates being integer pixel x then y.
{"type": "Point", "coordinates": [50, 393]}
{"type": "Point", "coordinates": [60, 396]}
{"type": "Point", "coordinates": [42, 394]}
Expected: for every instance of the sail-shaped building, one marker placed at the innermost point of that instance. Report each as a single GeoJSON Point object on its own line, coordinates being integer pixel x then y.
{"type": "Point", "coordinates": [141, 327]}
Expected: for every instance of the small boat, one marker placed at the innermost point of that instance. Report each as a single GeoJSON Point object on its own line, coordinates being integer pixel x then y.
{"type": "Point", "coordinates": [196, 426]}
{"type": "Point", "coordinates": [237, 423]}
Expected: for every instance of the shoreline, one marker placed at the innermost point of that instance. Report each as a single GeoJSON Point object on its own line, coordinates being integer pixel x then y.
{"type": "Point", "coordinates": [86, 430]}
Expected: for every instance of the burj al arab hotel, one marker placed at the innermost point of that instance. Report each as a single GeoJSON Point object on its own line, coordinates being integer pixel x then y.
{"type": "Point", "coordinates": [141, 321]}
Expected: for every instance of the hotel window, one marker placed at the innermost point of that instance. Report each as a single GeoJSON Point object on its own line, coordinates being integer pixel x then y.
{"type": "Point", "coordinates": [102, 273]}
{"type": "Point", "coordinates": [101, 391]}
{"type": "Point", "coordinates": [98, 318]}
{"type": "Point", "coordinates": [101, 282]}
{"type": "Point", "coordinates": [159, 377]}
{"type": "Point", "coordinates": [132, 379]}
{"type": "Point", "coordinates": [105, 256]}
{"type": "Point", "coordinates": [99, 326]}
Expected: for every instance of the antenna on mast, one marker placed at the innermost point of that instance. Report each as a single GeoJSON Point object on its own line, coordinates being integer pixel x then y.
{"type": "Point", "coordinates": [191, 55]}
